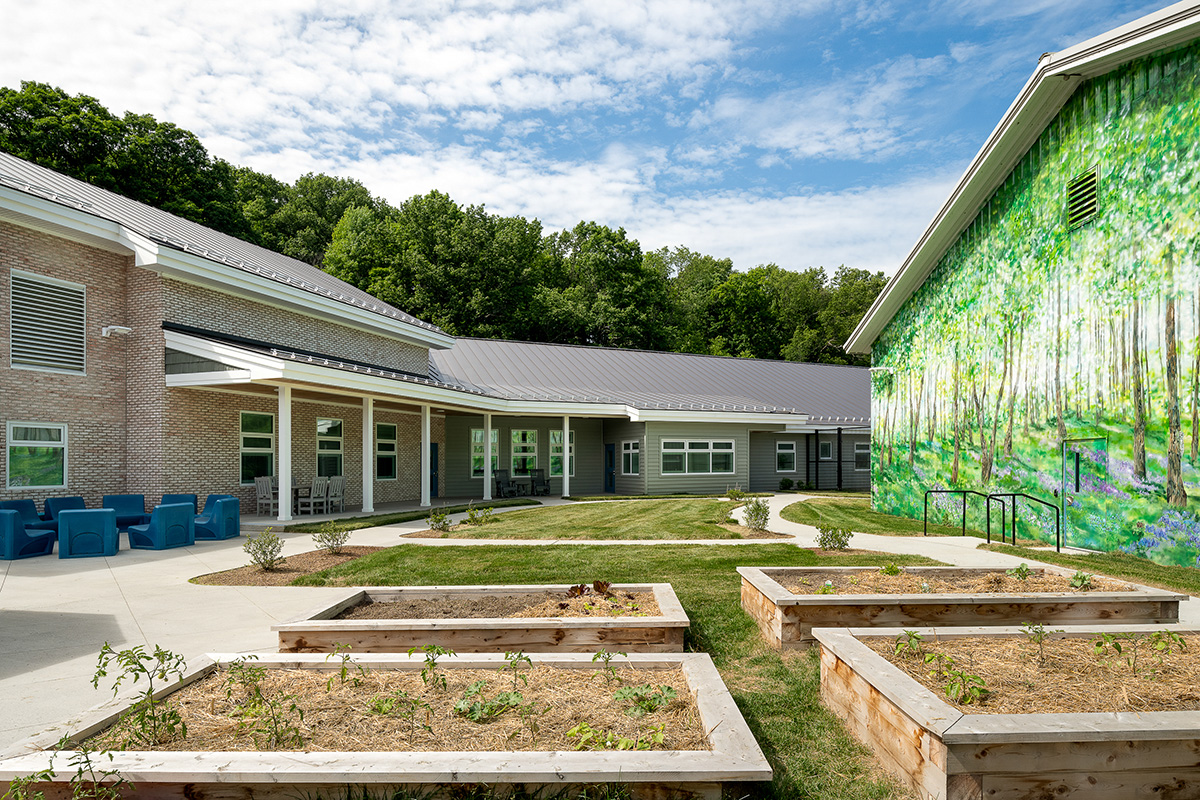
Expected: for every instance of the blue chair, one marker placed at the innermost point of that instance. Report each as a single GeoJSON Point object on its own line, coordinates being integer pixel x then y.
{"type": "Point", "coordinates": [169, 526]}
{"type": "Point", "coordinates": [29, 515]}
{"type": "Point", "coordinates": [221, 519]}
{"type": "Point", "coordinates": [55, 505]}
{"type": "Point", "coordinates": [130, 508]}
{"type": "Point", "coordinates": [171, 499]}
{"type": "Point", "coordinates": [90, 532]}
{"type": "Point", "coordinates": [17, 541]}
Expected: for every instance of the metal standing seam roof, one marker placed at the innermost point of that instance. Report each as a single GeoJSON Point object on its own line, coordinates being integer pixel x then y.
{"type": "Point", "coordinates": [181, 234]}
{"type": "Point", "coordinates": [649, 380]}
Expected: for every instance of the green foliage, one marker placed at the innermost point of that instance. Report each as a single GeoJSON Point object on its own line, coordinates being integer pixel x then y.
{"type": "Point", "coordinates": [438, 519]}
{"type": "Point", "coordinates": [1038, 635]}
{"type": "Point", "coordinates": [834, 538]}
{"type": "Point", "coordinates": [785, 484]}
{"type": "Point", "coordinates": [600, 739]}
{"type": "Point", "coordinates": [513, 662]}
{"type": "Point", "coordinates": [646, 699]}
{"type": "Point", "coordinates": [910, 643]}
{"type": "Point", "coordinates": [430, 675]}
{"type": "Point", "coordinates": [757, 514]}
{"type": "Point", "coordinates": [827, 588]}
{"type": "Point", "coordinates": [1021, 572]}
{"type": "Point", "coordinates": [331, 542]}
{"type": "Point", "coordinates": [608, 670]}
{"type": "Point", "coordinates": [148, 721]}
{"type": "Point", "coordinates": [265, 549]}
{"type": "Point", "coordinates": [1127, 645]}
{"type": "Point", "coordinates": [1082, 581]}
{"type": "Point", "coordinates": [348, 671]}
{"type": "Point", "coordinates": [273, 719]}
{"type": "Point", "coordinates": [400, 704]}
{"type": "Point", "coordinates": [890, 569]}
{"type": "Point", "coordinates": [478, 516]}
{"type": "Point", "coordinates": [477, 707]}
{"type": "Point", "coordinates": [91, 781]}
{"type": "Point", "coordinates": [963, 687]}
{"type": "Point", "coordinates": [735, 493]}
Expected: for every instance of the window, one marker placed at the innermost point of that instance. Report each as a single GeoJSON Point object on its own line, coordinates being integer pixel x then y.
{"type": "Point", "coordinates": [385, 451]}
{"type": "Point", "coordinates": [556, 453]}
{"type": "Point", "coordinates": [477, 452]}
{"type": "Point", "coordinates": [826, 450]}
{"type": "Point", "coordinates": [258, 446]}
{"type": "Point", "coordinates": [862, 456]}
{"type": "Point", "coordinates": [524, 452]}
{"type": "Point", "coordinates": [47, 324]}
{"type": "Point", "coordinates": [785, 456]}
{"type": "Point", "coordinates": [697, 458]}
{"type": "Point", "coordinates": [329, 447]}
{"type": "Point", "coordinates": [37, 455]}
{"type": "Point", "coordinates": [631, 458]}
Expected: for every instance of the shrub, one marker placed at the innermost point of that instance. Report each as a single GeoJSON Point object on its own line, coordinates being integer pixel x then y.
{"type": "Point", "coordinates": [265, 549]}
{"type": "Point", "coordinates": [478, 516]}
{"type": "Point", "coordinates": [757, 514]}
{"type": "Point", "coordinates": [735, 493]}
{"type": "Point", "coordinates": [438, 519]}
{"type": "Point", "coordinates": [785, 484]}
{"type": "Point", "coordinates": [834, 538]}
{"type": "Point", "coordinates": [331, 542]}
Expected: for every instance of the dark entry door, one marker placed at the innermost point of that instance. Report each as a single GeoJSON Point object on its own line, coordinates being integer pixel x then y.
{"type": "Point", "coordinates": [610, 468]}
{"type": "Point", "coordinates": [433, 469]}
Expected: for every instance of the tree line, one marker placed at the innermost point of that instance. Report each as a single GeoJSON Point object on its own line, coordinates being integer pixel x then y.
{"type": "Point", "coordinates": [461, 267]}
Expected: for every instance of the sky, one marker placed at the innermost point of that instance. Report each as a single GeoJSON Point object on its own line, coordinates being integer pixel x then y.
{"type": "Point", "coordinates": [796, 132]}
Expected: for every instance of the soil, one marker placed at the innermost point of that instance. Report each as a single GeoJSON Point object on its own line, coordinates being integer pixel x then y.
{"type": "Point", "coordinates": [875, 582]}
{"type": "Point", "coordinates": [544, 604]}
{"type": "Point", "coordinates": [292, 567]}
{"type": "Point", "coordinates": [1069, 678]}
{"type": "Point", "coordinates": [337, 716]}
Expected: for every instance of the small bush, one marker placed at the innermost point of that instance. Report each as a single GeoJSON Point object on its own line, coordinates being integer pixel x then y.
{"type": "Point", "coordinates": [478, 516]}
{"type": "Point", "coordinates": [265, 549]}
{"type": "Point", "coordinates": [785, 484]}
{"type": "Point", "coordinates": [438, 519]}
{"type": "Point", "coordinates": [735, 493]}
{"type": "Point", "coordinates": [331, 542]}
{"type": "Point", "coordinates": [757, 514]}
{"type": "Point", "coordinates": [834, 538]}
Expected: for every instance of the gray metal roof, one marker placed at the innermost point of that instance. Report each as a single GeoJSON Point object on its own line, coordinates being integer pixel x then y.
{"type": "Point", "coordinates": [181, 234]}
{"type": "Point", "coordinates": [647, 380]}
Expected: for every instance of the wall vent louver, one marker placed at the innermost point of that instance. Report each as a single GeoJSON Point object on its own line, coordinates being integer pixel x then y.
{"type": "Point", "coordinates": [1083, 198]}
{"type": "Point", "coordinates": [47, 324]}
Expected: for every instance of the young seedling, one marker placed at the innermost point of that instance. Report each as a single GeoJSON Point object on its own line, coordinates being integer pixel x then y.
{"type": "Point", "coordinates": [599, 739]}
{"type": "Point", "coordinates": [608, 670]}
{"type": "Point", "coordinates": [150, 721]}
{"type": "Point", "coordinates": [965, 688]}
{"type": "Point", "coordinates": [1037, 633]}
{"type": "Point", "coordinates": [1021, 573]}
{"type": "Point", "coordinates": [400, 704]}
{"type": "Point", "coordinates": [273, 719]}
{"type": "Point", "coordinates": [342, 651]}
{"type": "Point", "coordinates": [646, 699]}
{"type": "Point", "coordinates": [476, 707]}
{"type": "Point", "coordinates": [827, 588]}
{"type": "Point", "coordinates": [429, 672]}
{"type": "Point", "coordinates": [910, 642]}
{"type": "Point", "coordinates": [515, 660]}
{"type": "Point", "coordinates": [1082, 581]}
{"type": "Point", "coordinates": [890, 569]}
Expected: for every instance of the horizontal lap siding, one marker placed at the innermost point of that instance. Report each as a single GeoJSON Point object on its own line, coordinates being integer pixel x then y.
{"type": "Point", "coordinates": [657, 483]}
{"type": "Point", "coordinates": [824, 471]}
{"type": "Point", "coordinates": [617, 431]}
{"type": "Point", "coordinates": [763, 477]}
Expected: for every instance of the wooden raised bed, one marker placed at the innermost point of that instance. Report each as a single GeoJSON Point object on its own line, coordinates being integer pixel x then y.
{"type": "Point", "coordinates": [943, 753]}
{"type": "Point", "coordinates": [318, 632]}
{"type": "Point", "coordinates": [200, 775]}
{"type": "Point", "coordinates": [787, 619]}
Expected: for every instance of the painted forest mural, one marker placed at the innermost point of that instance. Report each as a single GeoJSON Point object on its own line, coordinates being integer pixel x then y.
{"type": "Point", "coordinates": [1031, 332]}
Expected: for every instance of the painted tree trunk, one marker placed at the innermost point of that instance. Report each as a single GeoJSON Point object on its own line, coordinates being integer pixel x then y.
{"type": "Point", "coordinates": [1176, 495]}
{"type": "Point", "coordinates": [1139, 401]}
{"type": "Point", "coordinates": [1196, 394]}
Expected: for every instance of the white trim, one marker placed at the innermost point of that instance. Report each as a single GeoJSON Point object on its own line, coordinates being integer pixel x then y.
{"type": "Point", "coordinates": [426, 458]}
{"type": "Point", "coordinates": [749, 417]}
{"type": "Point", "coordinates": [283, 467]}
{"type": "Point", "coordinates": [636, 450]}
{"type": "Point", "coordinates": [370, 454]}
{"type": "Point", "coordinates": [63, 444]}
{"type": "Point", "coordinates": [181, 380]}
{"type": "Point", "coordinates": [685, 451]}
{"type": "Point", "coordinates": [795, 460]}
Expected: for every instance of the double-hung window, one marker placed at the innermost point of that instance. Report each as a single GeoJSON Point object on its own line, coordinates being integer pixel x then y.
{"type": "Point", "coordinates": [631, 456]}
{"type": "Point", "coordinates": [385, 451]}
{"type": "Point", "coordinates": [862, 456]}
{"type": "Point", "coordinates": [257, 446]}
{"type": "Point", "coordinates": [524, 452]}
{"type": "Point", "coordinates": [697, 457]}
{"type": "Point", "coordinates": [329, 447]}
{"type": "Point", "coordinates": [47, 324]}
{"type": "Point", "coordinates": [477, 452]}
{"type": "Point", "coordinates": [556, 449]}
{"type": "Point", "coordinates": [785, 456]}
{"type": "Point", "coordinates": [36, 455]}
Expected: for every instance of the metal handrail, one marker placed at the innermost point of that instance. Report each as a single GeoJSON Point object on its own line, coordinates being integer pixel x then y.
{"type": "Point", "coordinates": [1014, 496]}
{"type": "Point", "coordinates": [964, 493]}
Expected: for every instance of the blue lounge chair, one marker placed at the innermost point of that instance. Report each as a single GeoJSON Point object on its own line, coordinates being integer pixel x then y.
{"type": "Point", "coordinates": [169, 526]}
{"type": "Point", "coordinates": [221, 518]}
{"type": "Point", "coordinates": [29, 515]}
{"type": "Point", "coordinates": [171, 499]}
{"type": "Point", "coordinates": [17, 541]}
{"type": "Point", "coordinates": [55, 505]}
{"type": "Point", "coordinates": [130, 508]}
{"type": "Point", "coordinates": [88, 532]}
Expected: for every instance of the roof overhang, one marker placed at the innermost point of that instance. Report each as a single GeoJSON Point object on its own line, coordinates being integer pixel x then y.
{"type": "Point", "coordinates": [685, 415]}
{"type": "Point", "coordinates": [1053, 82]}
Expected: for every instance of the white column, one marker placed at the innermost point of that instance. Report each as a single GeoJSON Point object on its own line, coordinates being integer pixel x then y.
{"type": "Point", "coordinates": [425, 437]}
{"type": "Point", "coordinates": [285, 453]}
{"type": "Point", "coordinates": [566, 462]}
{"type": "Point", "coordinates": [487, 457]}
{"type": "Point", "coordinates": [368, 455]}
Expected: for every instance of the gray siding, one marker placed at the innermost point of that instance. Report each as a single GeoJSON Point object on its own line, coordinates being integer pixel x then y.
{"type": "Point", "coordinates": [617, 431]}
{"type": "Point", "coordinates": [589, 452]}
{"type": "Point", "coordinates": [764, 476]}
{"type": "Point", "coordinates": [657, 483]}
{"type": "Point", "coordinates": [824, 471]}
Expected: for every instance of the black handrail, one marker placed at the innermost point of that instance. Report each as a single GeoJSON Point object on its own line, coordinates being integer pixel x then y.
{"type": "Point", "coordinates": [1014, 496]}
{"type": "Point", "coordinates": [964, 493]}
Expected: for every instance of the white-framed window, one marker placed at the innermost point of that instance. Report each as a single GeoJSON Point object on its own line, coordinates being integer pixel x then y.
{"type": "Point", "coordinates": [477, 452]}
{"type": "Point", "coordinates": [524, 452]}
{"type": "Point", "coordinates": [36, 455]}
{"type": "Point", "coordinates": [257, 446]}
{"type": "Point", "coordinates": [556, 449]}
{"type": "Point", "coordinates": [825, 450]}
{"type": "Point", "coordinates": [689, 457]}
{"type": "Point", "coordinates": [785, 456]}
{"type": "Point", "coordinates": [385, 451]}
{"type": "Point", "coordinates": [862, 456]}
{"type": "Point", "coordinates": [631, 458]}
{"type": "Point", "coordinates": [329, 447]}
{"type": "Point", "coordinates": [47, 325]}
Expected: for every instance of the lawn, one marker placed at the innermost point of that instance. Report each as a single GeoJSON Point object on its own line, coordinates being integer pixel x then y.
{"type": "Point", "coordinates": [370, 521]}
{"type": "Point", "coordinates": [853, 512]}
{"type": "Point", "coordinates": [778, 693]}
{"type": "Point", "coordinates": [1117, 565]}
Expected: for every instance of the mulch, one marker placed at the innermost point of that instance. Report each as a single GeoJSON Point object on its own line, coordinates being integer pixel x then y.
{"type": "Point", "coordinates": [998, 582]}
{"type": "Point", "coordinates": [543, 604]}
{"type": "Point", "coordinates": [294, 566]}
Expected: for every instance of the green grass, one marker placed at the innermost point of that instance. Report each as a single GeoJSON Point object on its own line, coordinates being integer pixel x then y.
{"type": "Point", "coordinates": [854, 513]}
{"type": "Point", "coordinates": [589, 498]}
{"type": "Point", "coordinates": [354, 523]}
{"type": "Point", "coordinates": [1116, 565]}
{"type": "Point", "coordinates": [778, 693]}
{"type": "Point", "coordinates": [643, 519]}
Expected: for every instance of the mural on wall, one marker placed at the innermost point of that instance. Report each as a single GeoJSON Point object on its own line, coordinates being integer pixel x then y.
{"type": "Point", "coordinates": [1033, 331]}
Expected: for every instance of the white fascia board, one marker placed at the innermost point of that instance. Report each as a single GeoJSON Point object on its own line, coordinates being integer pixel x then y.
{"type": "Point", "coordinates": [1053, 82]}
{"type": "Point", "coordinates": [74, 224]}
{"type": "Point", "coordinates": [209, 378]}
{"type": "Point", "coordinates": [738, 417]}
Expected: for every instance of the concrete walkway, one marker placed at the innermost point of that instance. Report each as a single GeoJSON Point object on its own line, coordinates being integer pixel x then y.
{"type": "Point", "coordinates": [56, 614]}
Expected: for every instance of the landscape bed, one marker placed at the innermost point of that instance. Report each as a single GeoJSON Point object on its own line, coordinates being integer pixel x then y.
{"type": "Point", "coordinates": [731, 755]}
{"type": "Point", "coordinates": [787, 619]}
{"type": "Point", "coordinates": [319, 630]}
{"type": "Point", "coordinates": [942, 752]}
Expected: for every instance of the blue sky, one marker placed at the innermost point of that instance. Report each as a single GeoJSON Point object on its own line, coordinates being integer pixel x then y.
{"type": "Point", "coordinates": [803, 133]}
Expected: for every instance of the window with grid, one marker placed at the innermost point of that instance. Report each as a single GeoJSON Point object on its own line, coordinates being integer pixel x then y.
{"type": "Point", "coordinates": [862, 456]}
{"type": "Point", "coordinates": [524, 452]}
{"type": "Point", "coordinates": [697, 457]}
{"type": "Point", "coordinates": [385, 451]}
{"type": "Point", "coordinates": [785, 456]}
{"type": "Point", "coordinates": [631, 458]}
{"type": "Point", "coordinates": [556, 449]}
{"type": "Point", "coordinates": [257, 447]}
{"type": "Point", "coordinates": [477, 452]}
{"type": "Point", "coordinates": [329, 447]}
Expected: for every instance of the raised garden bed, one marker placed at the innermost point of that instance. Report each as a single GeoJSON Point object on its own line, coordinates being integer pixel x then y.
{"type": "Point", "coordinates": [729, 752]}
{"type": "Point", "coordinates": [319, 630]}
{"type": "Point", "coordinates": [944, 752]}
{"type": "Point", "coordinates": [787, 619]}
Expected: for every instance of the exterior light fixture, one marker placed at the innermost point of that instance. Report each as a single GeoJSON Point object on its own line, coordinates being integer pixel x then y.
{"type": "Point", "coordinates": [120, 330]}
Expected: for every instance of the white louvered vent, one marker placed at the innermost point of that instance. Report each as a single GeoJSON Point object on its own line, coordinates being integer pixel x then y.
{"type": "Point", "coordinates": [47, 323]}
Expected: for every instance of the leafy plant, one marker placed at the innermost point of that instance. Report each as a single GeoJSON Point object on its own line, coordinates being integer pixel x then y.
{"type": "Point", "coordinates": [90, 782]}
{"type": "Point", "coordinates": [400, 704]}
{"type": "Point", "coordinates": [476, 706]}
{"type": "Point", "coordinates": [1164, 642]}
{"type": "Point", "coordinates": [608, 670]}
{"type": "Point", "coordinates": [757, 514]}
{"type": "Point", "coordinates": [785, 484]}
{"type": "Point", "coordinates": [890, 569]}
{"type": "Point", "coordinates": [429, 671]}
{"type": "Point", "coordinates": [646, 699]}
{"type": "Point", "coordinates": [342, 651]}
{"type": "Point", "coordinates": [478, 516]}
{"type": "Point", "coordinates": [273, 719]}
{"type": "Point", "coordinates": [1126, 644]}
{"type": "Point", "coordinates": [735, 493]}
{"type": "Point", "coordinates": [909, 642]}
{"type": "Point", "coordinates": [1037, 633]}
{"type": "Point", "coordinates": [1081, 580]}
{"type": "Point", "coordinates": [331, 541]}
{"type": "Point", "coordinates": [599, 739]}
{"type": "Point", "coordinates": [827, 588]}
{"type": "Point", "coordinates": [438, 519]}
{"type": "Point", "coordinates": [514, 662]}
{"type": "Point", "coordinates": [834, 538]}
{"type": "Point", "coordinates": [965, 688]}
{"type": "Point", "coordinates": [265, 550]}
{"type": "Point", "coordinates": [150, 721]}
{"type": "Point", "coordinates": [1021, 573]}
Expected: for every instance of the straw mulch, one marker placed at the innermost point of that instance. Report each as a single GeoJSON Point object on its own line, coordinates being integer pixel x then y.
{"type": "Point", "coordinates": [340, 718]}
{"type": "Point", "coordinates": [544, 604]}
{"type": "Point", "coordinates": [1070, 677]}
{"type": "Point", "coordinates": [292, 567]}
{"type": "Point", "coordinates": [875, 582]}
